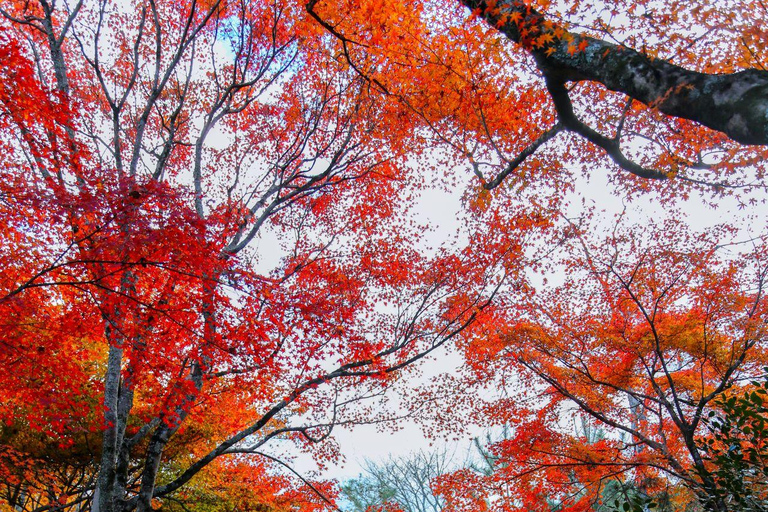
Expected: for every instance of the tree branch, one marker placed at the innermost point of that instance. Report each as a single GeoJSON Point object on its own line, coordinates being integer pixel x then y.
{"type": "Point", "coordinates": [735, 104]}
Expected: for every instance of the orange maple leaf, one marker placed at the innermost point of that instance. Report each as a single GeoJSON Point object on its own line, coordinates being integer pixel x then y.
{"type": "Point", "coordinates": [546, 37]}
{"type": "Point", "coordinates": [515, 17]}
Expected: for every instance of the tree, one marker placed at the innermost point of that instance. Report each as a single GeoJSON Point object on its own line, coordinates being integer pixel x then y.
{"type": "Point", "coordinates": [649, 331]}
{"type": "Point", "coordinates": [146, 150]}
{"type": "Point", "coordinates": [206, 205]}
{"type": "Point", "coordinates": [404, 483]}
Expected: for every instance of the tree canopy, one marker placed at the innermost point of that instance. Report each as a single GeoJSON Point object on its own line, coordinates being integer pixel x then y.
{"type": "Point", "coordinates": [211, 253]}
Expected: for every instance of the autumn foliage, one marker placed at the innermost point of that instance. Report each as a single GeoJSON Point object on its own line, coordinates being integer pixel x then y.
{"type": "Point", "coordinates": [211, 251]}
{"type": "Point", "coordinates": [613, 372]}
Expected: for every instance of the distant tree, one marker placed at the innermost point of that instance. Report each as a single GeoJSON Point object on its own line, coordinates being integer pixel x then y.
{"type": "Point", "coordinates": [366, 493]}
{"type": "Point", "coordinates": [404, 483]}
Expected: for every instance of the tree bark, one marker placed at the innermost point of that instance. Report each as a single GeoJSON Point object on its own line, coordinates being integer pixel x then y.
{"type": "Point", "coordinates": [735, 104]}
{"type": "Point", "coordinates": [106, 477]}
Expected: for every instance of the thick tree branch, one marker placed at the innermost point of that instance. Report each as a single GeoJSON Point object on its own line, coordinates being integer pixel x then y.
{"type": "Point", "coordinates": [735, 104]}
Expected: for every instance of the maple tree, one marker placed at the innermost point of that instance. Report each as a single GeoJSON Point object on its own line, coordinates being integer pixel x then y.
{"type": "Point", "coordinates": [145, 151]}
{"type": "Point", "coordinates": [650, 329]}
{"type": "Point", "coordinates": [208, 244]}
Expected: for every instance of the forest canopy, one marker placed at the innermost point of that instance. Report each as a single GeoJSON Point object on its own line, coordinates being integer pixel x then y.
{"type": "Point", "coordinates": [214, 249]}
